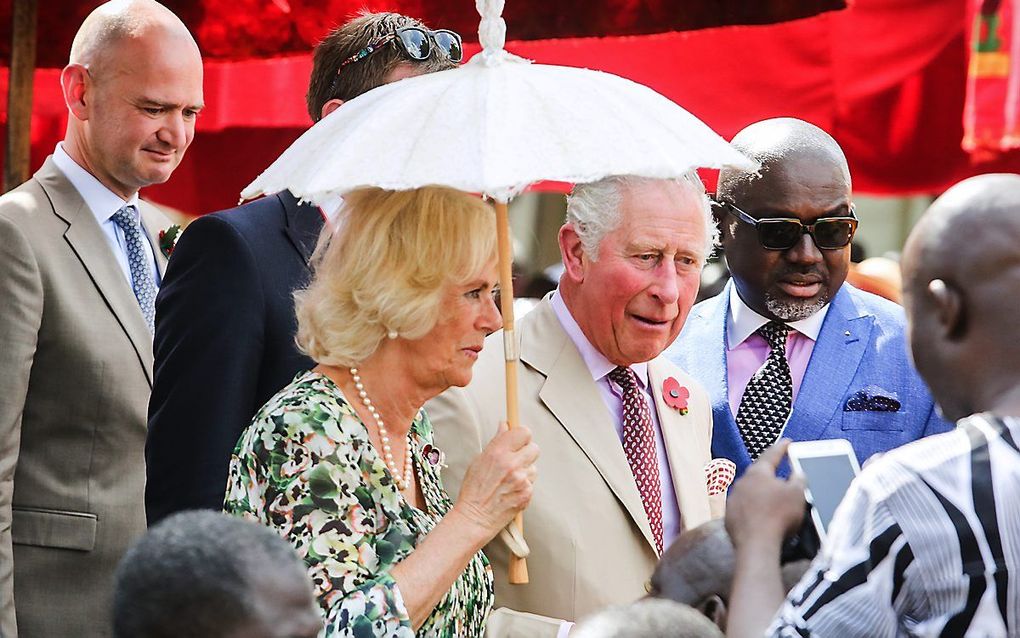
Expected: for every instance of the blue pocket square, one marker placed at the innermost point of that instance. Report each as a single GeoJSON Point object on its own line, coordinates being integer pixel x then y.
{"type": "Point", "coordinates": [872, 399]}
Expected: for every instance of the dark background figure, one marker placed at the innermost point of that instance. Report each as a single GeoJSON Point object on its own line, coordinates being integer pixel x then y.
{"type": "Point", "coordinates": [225, 317]}
{"type": "Point", "coordinates": [839, 368]}
{"type": "Point", "coordinates": [927, 538]}
{"type": "Point", "coordinates": [209, 575]}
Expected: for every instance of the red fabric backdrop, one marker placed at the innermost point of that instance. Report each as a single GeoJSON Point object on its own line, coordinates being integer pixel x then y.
{"type": "Point", "coordinates": [240, 29]}
{"type": "Point", "coordinates": [886, 77]}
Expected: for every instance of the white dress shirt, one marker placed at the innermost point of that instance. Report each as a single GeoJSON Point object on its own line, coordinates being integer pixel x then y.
{"type": "Point", "coordinates": [104, 204]}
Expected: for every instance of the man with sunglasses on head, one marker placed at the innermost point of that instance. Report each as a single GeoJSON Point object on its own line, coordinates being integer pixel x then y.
{"type": "Point", "coordinates": [225, 324]}
{"type": "Point", "coordinates": [787, 349]}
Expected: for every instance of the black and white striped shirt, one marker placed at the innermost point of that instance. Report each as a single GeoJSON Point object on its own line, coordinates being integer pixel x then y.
{"type": "Point", "coordinates": [926, 543]}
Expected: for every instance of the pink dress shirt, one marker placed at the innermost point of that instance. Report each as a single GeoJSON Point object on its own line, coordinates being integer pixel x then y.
{"type": "Point", "coordinates": [746, 351]}
{"type": "Point", "coordinates": [600, 367]}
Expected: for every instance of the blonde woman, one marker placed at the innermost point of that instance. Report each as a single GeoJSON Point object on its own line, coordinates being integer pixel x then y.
{"type": "Point", "coordinates": [341, 461]}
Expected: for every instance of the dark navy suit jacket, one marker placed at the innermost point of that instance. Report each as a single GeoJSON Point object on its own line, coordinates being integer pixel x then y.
{"type": "Point", "coordinates": [224, 343]}
{"type": "Point", "coordinates": [861, 355]}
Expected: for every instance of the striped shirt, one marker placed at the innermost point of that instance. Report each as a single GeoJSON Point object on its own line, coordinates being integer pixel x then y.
{"type": "Point", "coordinates": [923, 544]}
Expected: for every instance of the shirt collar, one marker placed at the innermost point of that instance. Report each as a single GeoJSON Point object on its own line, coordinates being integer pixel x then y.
{"type": "Point", "coordinates": [331, 208]}
{"type": "Point", "coordinates": [598, 365]}
{"type": "Point", "coordinates": [101, 200]}
{"type": "Point", "coordinates": [742, 322]}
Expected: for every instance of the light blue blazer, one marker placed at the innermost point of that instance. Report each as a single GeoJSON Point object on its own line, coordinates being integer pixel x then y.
{"type": "Point", "coordinates": [859, 385]}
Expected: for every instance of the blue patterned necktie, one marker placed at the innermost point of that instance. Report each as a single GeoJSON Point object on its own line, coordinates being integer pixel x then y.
{"type": "Point", "coordinates": [141, 270]}
{"type": "Point", "coordinates": [768, 397]}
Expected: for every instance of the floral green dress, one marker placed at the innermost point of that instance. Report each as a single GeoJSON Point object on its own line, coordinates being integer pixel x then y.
{"type": "Point", "coordinates": [305, 466]}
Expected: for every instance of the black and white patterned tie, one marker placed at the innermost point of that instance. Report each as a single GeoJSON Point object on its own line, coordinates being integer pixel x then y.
{"type": "Point", "coordinates": [768, 397]}
{"type": "Point", "coordinates": [141, 270]}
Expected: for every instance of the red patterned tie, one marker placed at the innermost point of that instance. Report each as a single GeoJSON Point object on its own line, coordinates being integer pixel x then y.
{"type": "Point", "coordinates": [639, 446]}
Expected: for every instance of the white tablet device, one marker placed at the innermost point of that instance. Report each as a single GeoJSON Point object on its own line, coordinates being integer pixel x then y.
{"type": "Point", "coordinates": [828, 467]}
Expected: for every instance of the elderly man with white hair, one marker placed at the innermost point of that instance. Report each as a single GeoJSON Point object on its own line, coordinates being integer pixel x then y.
{"type": "Point", "coordinates": [625, 435]}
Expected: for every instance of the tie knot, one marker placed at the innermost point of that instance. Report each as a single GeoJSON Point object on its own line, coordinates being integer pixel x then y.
{"type": "Point", "coordinates": [623, 377]}
{"type": "Point", "coordinates": [774, 332]}
{"type": "Point", "coordinates": [125, 217]}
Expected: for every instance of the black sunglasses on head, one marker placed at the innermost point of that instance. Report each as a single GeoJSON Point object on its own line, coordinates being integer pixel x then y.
{"type": "Point", "coordinates": [416, 43]}
{"type": "Point", "coordinates": [783, 233]}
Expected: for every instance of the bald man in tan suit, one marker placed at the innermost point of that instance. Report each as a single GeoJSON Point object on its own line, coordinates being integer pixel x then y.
{"type": "Point", "coordinates": [79, 266]}
{"type": "Point", "coordinates": [614, 487]}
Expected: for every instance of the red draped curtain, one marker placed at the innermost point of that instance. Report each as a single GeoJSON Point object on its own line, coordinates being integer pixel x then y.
{"type": "Point", "coordinates": [887, 78]}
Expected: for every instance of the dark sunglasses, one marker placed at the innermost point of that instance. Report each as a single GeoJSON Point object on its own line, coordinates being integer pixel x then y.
{"type": "Point", "coordinates": [783, 233]}
{"type": "Point", "coordinates": [416, 42]}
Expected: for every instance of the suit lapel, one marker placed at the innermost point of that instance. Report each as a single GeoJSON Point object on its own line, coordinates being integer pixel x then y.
{"type": "Point", "coordinates": [571, 395]}
{"type": "Point", "coordinates": [86, 239]}
{"type": "Point", "coordinates": [304, 223]}
{"type": "Point", "coordinates": [710, 347]}
{"type": "Point", "coordinates": [835, 358]}
{"type": "Point", "coordinates": [685, 464]}
{"type": "Point", "coordinates": [153, 224]}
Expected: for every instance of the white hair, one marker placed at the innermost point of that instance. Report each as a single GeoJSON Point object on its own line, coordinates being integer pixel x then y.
{"type": "Point", "coordinates": [593, 209]}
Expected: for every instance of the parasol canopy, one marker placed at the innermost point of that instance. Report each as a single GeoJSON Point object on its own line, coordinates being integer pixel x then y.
{"type": "Point", "coordinates": [494, 126]}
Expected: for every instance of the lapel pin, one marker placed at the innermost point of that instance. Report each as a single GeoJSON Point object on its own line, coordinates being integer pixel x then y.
{"type": "Point", "coordinates": [168, 240]}
{"type": "Point", "coordinates": [433, 455]}
{"type": "Point", "coordinates": [675, 395]}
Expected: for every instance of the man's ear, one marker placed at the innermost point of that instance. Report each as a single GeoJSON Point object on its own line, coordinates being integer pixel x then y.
{"type": "Point", "coordinates": [74, 80]}
{"type": "Point", "coordinates": [948, 303]}
{"type": "Point", "coordinates": [572, 251]}
{"type": "Point", "coordinates": [714, 609]}
{"type": "Point", "coordinates": [330, 106]}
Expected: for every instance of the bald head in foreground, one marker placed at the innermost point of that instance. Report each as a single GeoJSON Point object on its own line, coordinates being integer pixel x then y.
{"type": "Point", "coordinates": [928, 535]}
{"type": "Point", "coordinates": [80, 266]}
{"type": "Point", "coordinates": [788, 347]}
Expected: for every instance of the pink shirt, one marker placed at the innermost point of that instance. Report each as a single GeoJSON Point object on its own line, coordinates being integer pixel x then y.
{"type": "Point", "coordinates": [600, 367]}
{"type": "Point", "coordinates": [746, 351]}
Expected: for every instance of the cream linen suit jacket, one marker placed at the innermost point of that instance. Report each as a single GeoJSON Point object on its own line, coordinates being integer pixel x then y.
{"type": "Point", "coordinates": [591, 543]}
{"type": "Point", "coordinates": [75, 377]}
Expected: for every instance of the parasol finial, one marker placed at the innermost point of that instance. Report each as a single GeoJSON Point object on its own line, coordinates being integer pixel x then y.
{"type": "Point", "coordinates": [492, 29]}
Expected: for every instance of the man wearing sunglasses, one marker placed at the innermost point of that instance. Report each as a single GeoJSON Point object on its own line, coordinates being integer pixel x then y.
{"type": "Point", "coordinates": [224, 340]}
{"type": "Point", "coordinates": [787, 349]}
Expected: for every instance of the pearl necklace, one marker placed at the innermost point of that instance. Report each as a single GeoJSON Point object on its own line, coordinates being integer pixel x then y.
{"type": "Point", "coordinates": [403, 480]}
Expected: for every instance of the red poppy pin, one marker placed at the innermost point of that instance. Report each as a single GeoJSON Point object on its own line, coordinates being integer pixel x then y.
{"type": "Point", "coordinates": [168, 240]}
{"type": "Point", "coordinates": [675, 395]}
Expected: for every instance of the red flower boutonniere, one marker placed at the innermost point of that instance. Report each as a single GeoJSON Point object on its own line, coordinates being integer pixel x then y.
{"type": "Point", "coordinates": [675, 395]}
{"type": "Point", "coordinates": [168, 240]}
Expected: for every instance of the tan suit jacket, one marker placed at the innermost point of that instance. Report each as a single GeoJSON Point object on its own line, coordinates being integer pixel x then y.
{"type": "Point", "coordinates": [75, 377]}
{"type": "Point", "coordinates": [591, 543]}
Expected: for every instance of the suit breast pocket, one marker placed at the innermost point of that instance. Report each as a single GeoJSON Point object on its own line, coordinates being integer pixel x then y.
{"type": "Point", "coordinates": [880, 421]}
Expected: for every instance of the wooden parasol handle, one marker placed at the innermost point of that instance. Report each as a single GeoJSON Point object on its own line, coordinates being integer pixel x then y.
{"type": "Point", "coordinates": [518, 566]}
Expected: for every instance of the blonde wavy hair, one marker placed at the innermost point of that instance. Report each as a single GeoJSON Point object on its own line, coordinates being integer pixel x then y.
{"type": "Point", "coordinates": [387, 268]}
